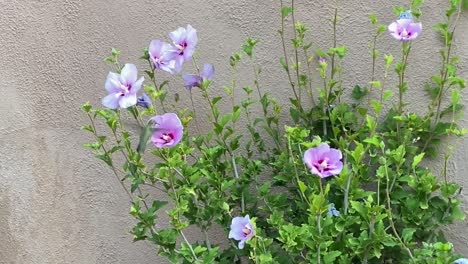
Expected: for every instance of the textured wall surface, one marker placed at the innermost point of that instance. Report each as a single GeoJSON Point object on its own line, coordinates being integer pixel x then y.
{"type": "Point", "coordinates": [60, 205]}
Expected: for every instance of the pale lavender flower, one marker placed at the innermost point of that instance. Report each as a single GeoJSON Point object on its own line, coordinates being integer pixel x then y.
{"type": "Point", "coordinates": [405, 28]}
{"type": "Point", "coordinates": [323, 161]}
{"type": "Point", "coordinates": [122, 88]}
{"type": "Point", "coordinates": [332, 210]}
{"type": "Point", "coordinates": [168, 130]}
{"type": "Point", "coordinates": [163, 55]}
{"type": "Point", "coordinates": [195, 80]}
{"type": "Point", "coordinates": [185, 41]}
{"type": "Point", "coordinates": [144, 101]}
{"type": "Point", "coordinates": [241, 230]}
{"type": "Point", "coordinates": [321, 60]}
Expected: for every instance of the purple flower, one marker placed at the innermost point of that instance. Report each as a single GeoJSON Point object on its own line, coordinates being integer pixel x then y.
{"type": "Point", "coordinates": [195, 80]}
{"type": "Point", "coordinates": [122, 88]}
{"type": "Point", "coordinates": [144, 101]}
{"type": "Point", "coordinates": [185, 41]}
{"type": "Point", "coordinates": [323, 160]}
{"type": "Point", "coordinates": [321, 60]}
{"type": "Point", "coordinates": [162, 55]}
{"type": "Point", "coordinates": [404, 28]}
{"type": "Point", "coordinates": [241, 230]}
{"type": "Point", "coordinates": [168, 130]}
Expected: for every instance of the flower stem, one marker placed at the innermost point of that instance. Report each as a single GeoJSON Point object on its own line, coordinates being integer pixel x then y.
{"type": "Point", "coordinates": [285, 53]}
{"type": "Point", "coordinates": [194, 113]}
{"type": "Point", "coordinates": [114, 170]}
{"type": "Point", "coordinates": [390, 213]}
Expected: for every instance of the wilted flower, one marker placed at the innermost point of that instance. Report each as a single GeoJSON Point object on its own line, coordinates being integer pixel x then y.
{"type": "Point", "coordinates": [332, 210]}
{"type": "Point", "coordinates": [185, 41]}
{"type": "Point", "coordinates": [406, 15]}
{"type": "Point", "coordinates": [241, 230]}
{"type": "Point", "coordinates": [122, 88]}
{"type": "Point", "coordinates": [163, 55]}
{"type": "Point", "coordinates": [144, 101]}
{"type": "Point", "coordinates": [405, 28]}
{"type": "Point", "coordinates": [168, 130]}
{"type": "Point", "coordinates": [323, 160]}
{"type": "Point", "coordinates": [195, 80]}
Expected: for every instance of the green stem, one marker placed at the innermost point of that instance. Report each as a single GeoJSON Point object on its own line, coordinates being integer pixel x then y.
{"type": "Point", "coordinates": [286, 60]}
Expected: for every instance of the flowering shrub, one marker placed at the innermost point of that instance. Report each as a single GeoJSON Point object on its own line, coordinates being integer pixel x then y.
{"type": "Point", "coordinates": [343, 184]}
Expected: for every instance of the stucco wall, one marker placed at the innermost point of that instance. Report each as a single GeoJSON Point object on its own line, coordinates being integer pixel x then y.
{"type": "Point", "coordinates": [60, 205]}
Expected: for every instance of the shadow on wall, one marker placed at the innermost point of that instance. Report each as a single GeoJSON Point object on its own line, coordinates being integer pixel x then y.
{"type": "Point", "coordinates": [10, 248]}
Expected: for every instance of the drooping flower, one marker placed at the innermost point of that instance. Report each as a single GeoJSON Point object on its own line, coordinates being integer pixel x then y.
{"type": "Point", "coordinates": [122, 88]}
{"type": "Point", "coordinates": [241, 230]}
{"type": "Point", "coordinates": [323, 161]}
{"type": "Point", "coordinates": [185, 41]}
{"type": "Point", "coordinates": [332, 210]}
{"type": "Point", "coordinates": [144, 101]}
{"type": "Point", "coordinates": [168, 130]}
{"type": "Point", "coordinates": [163, 55]}
{"type": "Point", "coordinates": [195, 80]}
{"type": "Point", "coordinates": [405, 28]}
{"type": "Point", "coordinates": [406, 15]}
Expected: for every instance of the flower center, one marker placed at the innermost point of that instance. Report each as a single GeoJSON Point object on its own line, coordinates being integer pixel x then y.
{"type": "Point", "coordinates": [126, 87]}
{"type": "Point", "coordinates": [246, 231]}
{"type": "Point", "coordinates": [181, 47]}
{"type": "Point", "coordinates": [167, 137]}
{"type": "Point", "coordinates": [323, 164]}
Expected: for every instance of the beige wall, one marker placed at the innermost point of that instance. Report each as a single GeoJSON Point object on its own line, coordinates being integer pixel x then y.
{"type": "Point", "coordinates": [57, 203]}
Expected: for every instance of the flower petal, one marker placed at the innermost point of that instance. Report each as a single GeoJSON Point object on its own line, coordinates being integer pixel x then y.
{"type": "Point", "coordinates": [207, 72]}
{"type": "Point", "coordinates": [178, 35]}
{"type": "Point", "coordinates": [241, 244]}
{"type": "Point", "coordinates": [112, 84]}
{"type": "Point", "coordinates": [112, 100]}
{"type": "Point", "coordinates": [191, 80]}
{"type": "Point", "coordinates": [128, 74]}
{"type": "Point", "coordinates": [393, 27]}
{"type": "Point", "coordinates": [128, 100]}
{"type": "Point", "coordinates": [137, 85]}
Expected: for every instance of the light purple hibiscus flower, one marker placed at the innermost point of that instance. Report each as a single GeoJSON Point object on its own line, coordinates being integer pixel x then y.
{"type": "Point", "coordinates": [122, 88]}
{"type": "Point", "coordinates": [195, 80]}
{"type": "Point", "coordinates": [323, 160]}
{"type": "Point", "coordinates": [163, 55]}
{"type": "Point", "coordinates": [405, 28]}
{"type": "Point", "coordinates": [241, 230]}
{"type": "Point", "coordinates": [185, 41]}
{"type": "Point", "coordinates": [168, 130]}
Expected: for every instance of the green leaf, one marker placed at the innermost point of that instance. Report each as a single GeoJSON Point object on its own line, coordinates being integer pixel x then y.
{"type": "Point", "coordinates": [407, 234]}
{"type": "Point", "coordinates": [285, 11]}
{"type": "Point", "coordinates": [417, 159]}
{"type": "Point", "coordinates": [86, 107]}
{"type": "Point", "coordinates": [215, 100]}
{"type": "Point", "coordinates": [302, 186]}
{"type": "Point", "coordinates": [330, 256]}
{"type": "Point", "coordinates": [359, 92]}
{"type": "Point", "coordinates": [115, 52]}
